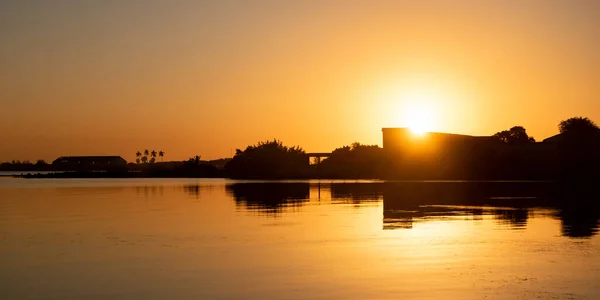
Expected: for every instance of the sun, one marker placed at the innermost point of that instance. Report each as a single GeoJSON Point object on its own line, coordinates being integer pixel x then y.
{"type": "Point", "coordinates": [419, 117]}
{"type": "Point", "coordinates": [421, 108]}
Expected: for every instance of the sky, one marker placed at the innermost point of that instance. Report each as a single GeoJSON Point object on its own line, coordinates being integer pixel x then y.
{"type": "Point", "coordinates": [206, 77]}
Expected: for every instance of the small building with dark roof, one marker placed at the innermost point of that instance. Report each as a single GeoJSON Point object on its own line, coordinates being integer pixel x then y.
{"type": "Point", "coordinates": [90, 163]}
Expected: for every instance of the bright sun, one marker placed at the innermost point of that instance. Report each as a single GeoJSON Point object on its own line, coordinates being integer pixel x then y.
{"type": "Point", "coordinates": [419, 116]}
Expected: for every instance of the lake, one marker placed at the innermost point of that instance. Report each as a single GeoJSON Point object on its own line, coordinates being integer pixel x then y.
{"type": "Point", "coordinates": [223, 239]}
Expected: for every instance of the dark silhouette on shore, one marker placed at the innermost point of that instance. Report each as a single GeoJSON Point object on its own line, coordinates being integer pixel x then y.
{"type": "Point", "coordinates": [268, 160]}
{"type": "Point", "coordinates": [515, 136]}
{"type": "Point", "coordinates": [571, 155]}
{"type": "Point", "coordinates": [356, 161]}
{"type": "Point", "coordinates": [26, 165]}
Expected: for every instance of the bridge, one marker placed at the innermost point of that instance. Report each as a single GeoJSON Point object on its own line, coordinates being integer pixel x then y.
{"type": "Point", "coordinates": [317, 155]}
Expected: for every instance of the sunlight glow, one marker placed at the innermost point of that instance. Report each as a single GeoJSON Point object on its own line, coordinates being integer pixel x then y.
{"type": "Point", "coordinates": [415, 104]}
{"type": "Point", "coordinates": [419, 114]}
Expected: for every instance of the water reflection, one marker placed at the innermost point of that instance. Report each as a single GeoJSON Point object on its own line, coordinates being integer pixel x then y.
{"type": "Point", "coordinates": [579, 222]}
{"type": "Point", "coordinates": [150, 190]}
{"type": "Point", "coordinates": [508, 203]}
{"type": "Point", "coordinates": [511, 204]}
{"type": "Point", "coordinates": [365, 191]}
{"type": "Point", "coordinates": [151, 239]}
{"type": "Point", "coordinates": [269, 197]}
{"type": "Point", "coordinates": [194, 190]}
{"type": "Point", "coordinates": [514, 218]}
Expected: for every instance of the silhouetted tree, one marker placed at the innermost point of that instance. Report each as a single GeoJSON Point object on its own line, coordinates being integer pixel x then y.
{"type": "Point", "coordinates": [270, 159]}
{"type": "Point", "coordinates": [579, 149]}
{"type": "Point", "coordinates": [194, 160]}
{"type": "Point", "coordinates": [517, 135]}
{"type": "Point", "coordinates": [138, 155]}
{"type": "Point", "coordinates": [144, 159]}
{"type": "Point", "coordinates": [579, 126]}
{"type": "Point", "coordinates": [355, 161]}
{"type": "Point", "coordinates": [161, 154]}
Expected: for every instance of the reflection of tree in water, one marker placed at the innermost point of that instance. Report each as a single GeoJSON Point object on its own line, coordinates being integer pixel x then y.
{"type": "Point", "coordinates": [579, 223]}
{"type": "Point", "coordinates": [269, 197]}
{"type": "Point", "coordinates": [515, 218]}
{"type": "Point", "coordinates": [357, 192]}
{"type": "Point", "coordinates": [195, 189]}
{"type": "Point", "coordinates": [578, 210]}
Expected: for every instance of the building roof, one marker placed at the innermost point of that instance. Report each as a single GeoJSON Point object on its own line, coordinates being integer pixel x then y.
{"type": "Point", "coordinates": [555, 138]}
{"type": "Point", "coordinates": [89, 158]}
{"type": "Point", "coordinates": [435, 133]}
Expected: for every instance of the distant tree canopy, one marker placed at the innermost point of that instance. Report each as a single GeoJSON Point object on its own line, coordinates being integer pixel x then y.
{"type": "Point", "coordinates": [17, 165]}
{"type": "Point", "coordinates": [269, 159]}
{"type": "Point", "coordinates": [579, 127]}
{"type": "Point", "coordinates": [355, 161]}
{"type": "Point", "coordinates": [517, 135]}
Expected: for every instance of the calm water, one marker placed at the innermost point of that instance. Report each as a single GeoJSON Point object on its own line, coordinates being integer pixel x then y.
{"type": "Point", "coordinates": [219, 239]}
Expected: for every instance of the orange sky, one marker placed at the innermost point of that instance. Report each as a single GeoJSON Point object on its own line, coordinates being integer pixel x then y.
{"type": "Point", "coordinates": [206, 77]}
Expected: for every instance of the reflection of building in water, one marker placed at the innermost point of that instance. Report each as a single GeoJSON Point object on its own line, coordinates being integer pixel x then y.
{"type": "Point", "coordinates": [509, 203]}
{"type": "Point", "coordinates": [269, 197]}
{"type": "Point", "coordinates": [149, 190]}
{"type": "Point", "coordinates": [407, 202]}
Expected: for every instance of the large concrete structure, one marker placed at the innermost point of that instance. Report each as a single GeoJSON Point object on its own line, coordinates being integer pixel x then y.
{"type": "Point", "coordinates": [398, 140]}
{"type": "Point", "coordinates": [434, 155]}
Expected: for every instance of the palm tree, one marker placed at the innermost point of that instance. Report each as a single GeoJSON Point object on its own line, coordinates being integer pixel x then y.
{"type": "Point", "coordinates": [146, 152]}
{"type": "Point", "coordinates": [153, 153]}
{"type": "Point", "coordinates": [137, 156]}
{"type": "Point", "coordinates": [137, 160]}
{"type": "Point", "coordinates": [161, 154]}
{"type": "Point", "coordinates": [144, 159]}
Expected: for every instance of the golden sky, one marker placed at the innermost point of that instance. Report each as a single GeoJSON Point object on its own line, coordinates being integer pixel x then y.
{"type": "Point", "coordinates": [206, 77]}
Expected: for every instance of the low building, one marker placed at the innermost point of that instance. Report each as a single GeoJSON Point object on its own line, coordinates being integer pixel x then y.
{"type": "Point", "coordinates": [436, 155]}
{"type": "Point", "coordinates": [402, 140]}
{"type": "Point", "coordinates": [90, 163]}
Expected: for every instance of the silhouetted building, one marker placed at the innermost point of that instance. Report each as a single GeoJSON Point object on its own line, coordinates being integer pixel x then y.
{"type": "Point", "coordinates": [399, 140]}
{"type": "Point", "coordinates": [90, 163]}
{"type": "Point", "coordinates": [434, 155]}
{"type": "Point", "coordinates": [558, 138]}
